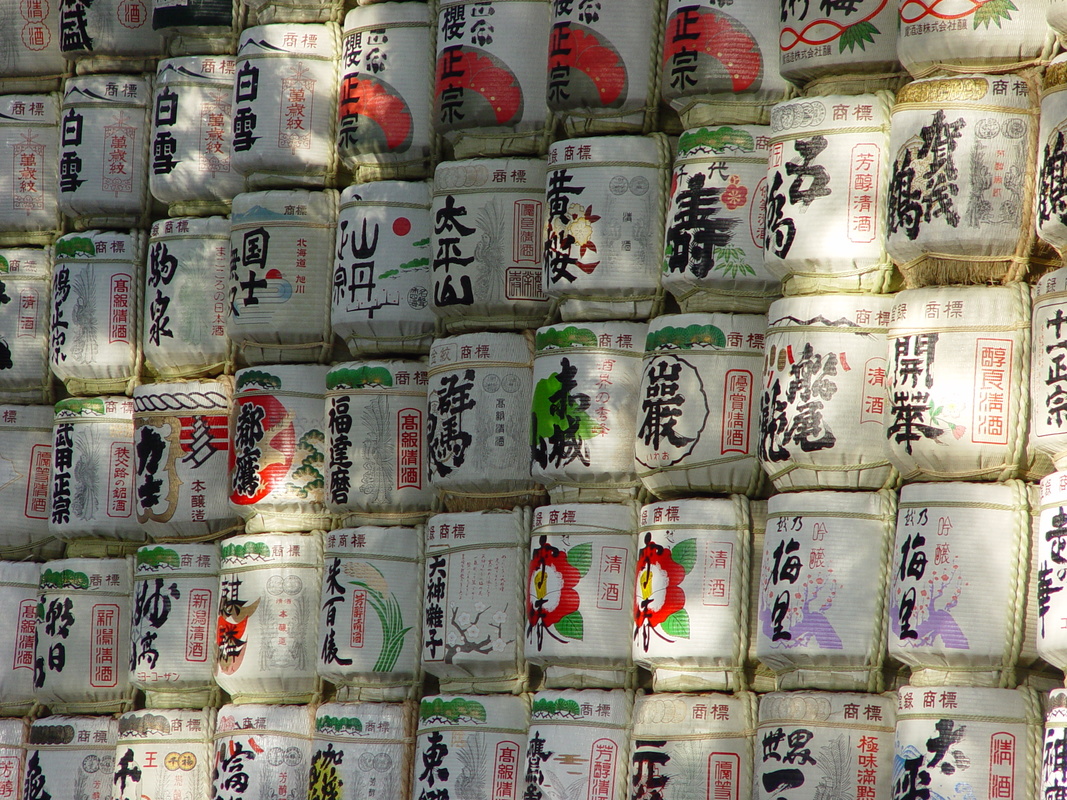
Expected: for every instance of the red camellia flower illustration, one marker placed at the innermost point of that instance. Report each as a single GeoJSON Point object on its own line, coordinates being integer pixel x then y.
{"type": "Point", "coordinates": [659, 593]}
{"type": "Point", "coordinates": [550, 592]}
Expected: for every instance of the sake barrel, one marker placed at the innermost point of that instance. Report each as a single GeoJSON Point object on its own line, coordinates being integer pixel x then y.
{"type": "Point", "coordinates": [827, 174]}
{"type": "Point", "coordinates": [173, 633]}
{"type": "Point", "coordinates": [959, 740]}
{"type": "Point", "coordinates": [18, 603]}
{"type": "Point", "coordinates": [491, 77]}
{"type": "Point", "coordinates": [164, 755]}
{"type": "Point", "coordinates": [90, 38]}
{"type": "Point", "coordinates": [25, 376]}
{"type": "Point", "coordinates": [807, 741]}
{"type": "Point", "coordinates": [13, 738]}
{"type": "Point", "coordinates": [960, 207]}
{"type": "Point", "coordinates": [582, 432]}
{"type": "Point", "coordinates": [958, 588]}
{"type": "Point", "coordinates": [823, 585]}
{"type": "Point", "coordinates": [376, 442]}
{"type": "Point", "coordinates": [1050, 536]}
{"type": "Point", "coordinates": [278, 449]}
{"type": "Point", "coordinates": [602, 66]}
{"type": "Point", "coordinates": [361, 748]}
{"type": "Point", "coordinates": [181, 436]}
{"type": "Point", "coordinates": [83, 644]}
{"type": "Point", "coordinates": [103, 153]}
{"type": "Point", "coordinates": [471, 740]}
{"type": "Point", "coordinates": [1048, 370]}
{"type": "Point", "coordinates": [720, 67]}
{"type": "Point", "coordinates": [1051, 202]}
{"type": "Point", "coordinates": [478, 420]}
{"type": "Point", "coordinates": [369, 614]}
{"type": "Point", "coordinates": [93, 470]}
{"type": "Point", "coordinates": [384, 109]}
{"type": "Point", "coordinates": [823, 408]}
{"type": "Point", "coordinates": [486, 245]}
{"type": "Point", "coordinates": [26, 453]}
{"type": "Point", "coordinates": [71, 757]}
{"type": "Point", "coordinates": [713, 246]}
{"type": "Point", "coordinates": [281, 246]}
{"type": "Point", "coordinates": [297, 97]}
{"type": "Point", "coordinates": [693, 745]}
{"type": "Point", "coordinates": [29, 210]}
{"type": "Point", "coordinates": [691, 593]}
{"type": "Point", "coordinates": [605, 201]}
{"type": "Point", "coordinates": [96, 302]}
{"type": "Point", "coordinates": [191, 132]}
{"type": "Point", "coordinates": [200, 26]}
{"type": "Point", "coordinates": [837, 38]}
{"type": "Point", "coordinates": [1053, 763]}
{"type": "Point", "coordinates": [577, 594]}
{"type": "Point", "coordinates": [262, 751]}
{"type": "Point", "coordinates": [264, 12]}
{"type": "Point", "coordinates": [185, 304]}
{"type": "Point", "coordinates": [579, 738]}
{"type": "Point", "coordinates": [957, 379]}
{"type": "Point", "coordinates": [1056, 16]}
{"type": "Point", "coordinates": [474, 599]}
{"type": "Point", "coordinates": [760, 677]}
{"type": "Point", "coordinates": [268, 616]}
{"type": "Point", "coordinates": [380, 300]}
{"type": "Point", "coordinates": [1016, 38]}
{"type": "Point", "coordinates": [29, 42]}
{"type": "Point", "coordinates": [697, 418]}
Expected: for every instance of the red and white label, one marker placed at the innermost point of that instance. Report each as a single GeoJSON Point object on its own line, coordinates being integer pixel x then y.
{"type": "Point", "coordinates": [409, 461]}
{"type": "Point", "coordinates": [198, 625]}
{"type": "Point", "coordinates": [119, 318]}
{"type": "Point", "coordinates": [736, 411]}
{"type": "Point", "coordinates": [359, 617]}
{"type": "Point", "coordinates": [118, 492]}
{"type": "Point", "coordinates": [505, 771]}
{"type": "Point", "coordinates": [602, 759]}
{"type": "Point", "coordinates": [103, 654]}
{"type": "Point", "coordinates": [992, 390]}
{"type": "Point", "coordinates": [40, 479]}
{"type": "Point", "coordinates": [724, 776]}
{"type": "Point", "coordinates": [25, 635]}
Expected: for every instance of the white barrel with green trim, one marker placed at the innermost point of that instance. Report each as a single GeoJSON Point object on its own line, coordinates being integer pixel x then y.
{"type": "Point", "coordinates": [192, 128]}
{"type": "Point", "coordinates": [961, 741]}
{"type": "Point", "coordinates": [83, 643]}
{"type": "Point", "coordinates": [25, 334]}
{"type": "Point", "coordinates": [822, 589]}
{"type": "Point", "coordinates": [1048, 368]}
{"type": "Point", "coordinates": [268, 617]}
{"type": "Point", "coordinates": [71, 757]}
{"type": "Point", "coordinates": [959, 605]}
{"type": "Point", "coordinates": [478, 420]}
{"type": "Point", "coordinates": [381, 269]}
{"type": "Point", "coordinates": [281, 259]}
{"type": "Point", "coordinates": [384, 130]}
{"type": "Point", "coordinates": [1052, 156]}
{"type": "Point", "coordinates": [173, 635]}
{"type": "Point", "coordinates": [578, 594]}
{"type": "Point", "coordinates": [29, 41]}
{"type": "Point", "coordinates": [103, 150]}
{"type": "Point", "coordinates": [363, 750]}
{"type": "Point", "coordinates": [587, 378]}
{"type": "Point", "coordinates": [19, 583]}
{"type": "Point", "coordinates": [579, 742]}
{"type": "Point", "coordinates": [824, 406]}
{"type": "Point", "coordinates": [1050, 554]}
{"type": "Point", "coordinates": [110, 36]}
{"type": "Point", "coordinates": [164, 755]}
{"type": "Point", "coordinates": [697, 412]}
{"type": "Point", "coordinates": [958, 379]}
{"type": "Point", "coordinates": [29, 201]}
{"type": "Point", "coordinates": [691, 593]}
{"type": "Point", "coordinates": [1054, 765]}
{"type": "Point", "coordinates": [285, 106]}
{"type": "Point", "coordinates": [693, 745]}
{"type": "Point", "coordinates": [262, 751]}
{"type": "Point", "coordinates": [182, 441]}
{"type": "Point", "coordinates": [26, 453]}
{"type": "Point", "coordinates": [812, 742]}
{"type": "Point", "coordinates": [832, 40]}
{"type": "Point", "coordinates": [376, 442]}
{"type": "Point", "coordinates": [277, 478]}
{"type": "Point", "coordinates": [97, 285]}
{"type": "Point", "coordinates": [94, 464]}
{"type": "Point", "coordinates": [713, 257]}
{"type": "Point", "coordinates": [471, 741]}
{"type": "Point", "coordinates": [370, 612]}
{"type": "Point", "coordinates": [605, 207]}
{"type": "Point", "coordinates": [186, 298]}
{"type": "Point", "coordinates": [487, 244]}
{"type": "Point", "coordinates": [474, 599]}
{"type": "Point", "coordinates": [961, 192]}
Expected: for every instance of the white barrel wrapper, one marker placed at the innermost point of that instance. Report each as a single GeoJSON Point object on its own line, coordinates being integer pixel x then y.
{"type": "Point", "coordinates": [578, 594]}
{"type": "Point", "coordinates": [268, 617]}
{"type": "Point", "coordinates": [474, 599]}
{"type": "Point", "coordinates": [1050, 546]}
{"type": "Point", "coordinates": [832, 39]}
{"type": "Point", "coordinates": [1051, 203]}
{"type": "Point", "coordinates": [18, 604]}
{"type": "Point", "coordinates": [1048, 368]}
{"type": "Point", "coordinates": [370, 624]}
{"type": "Point", "coordinates": [29, 131]}
{"type": "Point", "coordinates": [71, 757]}
{"type": "Point", "coordinates": [90, 37]}
{"type": "Point", "coordinates": [263, 751]}
{"type": "Point", "coordinates": [14, 734]}
{"type": "Point", "coordinates": [25, 274]}
{"type": "Point", "coordinates": [362, 748]}
{"type": "Point", "coordinates": [29, 41]}
{"type": "Point", "coordinates": [1054, 747]}
{"type": "Point", "coordinates": [823, 584]}
{"type": "Point", "coordinates": [26, 452]}
{"type": "Point", "coordinates": [164, 755]}
{"type": "Point", "coordinates": [691, 593]}
{"type": "Point", "coordinates": [173, 635]}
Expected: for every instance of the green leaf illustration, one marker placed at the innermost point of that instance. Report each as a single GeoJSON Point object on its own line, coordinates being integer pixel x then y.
{"type": "Point", "coordinates": [857, 36]}
{"type": "Point", "coordinates": [685, 554]}
{"type": "Point", "coordinates": [573, 626]}
{"type": "Point", "coordinates": [993, 11]}
{"type": "Point", "coordinates": [581, 557]}
{"type": "Point", "coordinates": [677, 624]}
